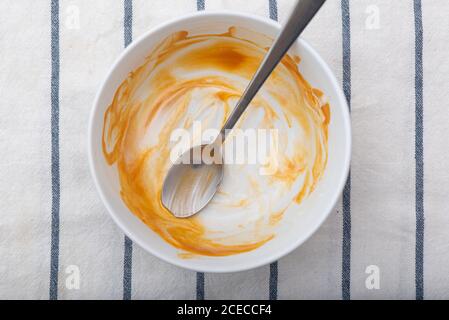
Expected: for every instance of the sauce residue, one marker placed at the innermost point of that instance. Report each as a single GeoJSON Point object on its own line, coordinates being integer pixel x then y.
{"type": "Point", "coordinates": [201, 77]}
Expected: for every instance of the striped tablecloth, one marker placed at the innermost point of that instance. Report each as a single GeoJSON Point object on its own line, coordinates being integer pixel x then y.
{"type": "Point", "coordinates": [387, 238]}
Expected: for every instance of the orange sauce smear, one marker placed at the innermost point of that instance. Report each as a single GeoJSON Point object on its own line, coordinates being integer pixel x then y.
{"type": "Point", "coordinates": [154, 89]}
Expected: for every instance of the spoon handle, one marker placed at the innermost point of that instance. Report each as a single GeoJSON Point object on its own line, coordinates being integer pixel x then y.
{"type": "Point", "coordinates": [304, 11]}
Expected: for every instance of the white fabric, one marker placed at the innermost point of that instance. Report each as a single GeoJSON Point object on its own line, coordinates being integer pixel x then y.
{"type": "Point", "coordinates": [383, 165]}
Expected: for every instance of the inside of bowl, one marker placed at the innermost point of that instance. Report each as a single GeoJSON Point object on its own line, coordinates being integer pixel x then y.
{"type": "Point", "coordinates": [299, 221]}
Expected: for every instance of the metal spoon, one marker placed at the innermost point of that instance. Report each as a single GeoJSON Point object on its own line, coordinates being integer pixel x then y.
{"type": "Point", "coordinates": [190, 185]}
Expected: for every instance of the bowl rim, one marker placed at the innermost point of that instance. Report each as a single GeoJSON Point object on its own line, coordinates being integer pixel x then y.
{"type": "Point", "coordinates": [340, 97]}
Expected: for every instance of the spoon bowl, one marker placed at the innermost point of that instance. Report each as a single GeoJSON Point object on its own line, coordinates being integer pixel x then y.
{"type": "Point", "coordinates": [192, 182]}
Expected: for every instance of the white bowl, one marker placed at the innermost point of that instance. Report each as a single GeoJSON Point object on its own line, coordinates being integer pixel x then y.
{"type": "Point", "coordinates": [308, 216]}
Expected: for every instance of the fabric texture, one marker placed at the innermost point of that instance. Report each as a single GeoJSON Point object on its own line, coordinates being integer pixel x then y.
{"type": "Point", "coordinates": [387, 238]}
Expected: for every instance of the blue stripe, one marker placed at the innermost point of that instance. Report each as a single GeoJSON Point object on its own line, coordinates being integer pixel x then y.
{"type": "Point", "coordinates": [127, 268]}
{"type": "Point", "coordinates": [273, 290]}
{"type": "Point", "coordinates": [200, 5]}
{"type": "Point", "coordinates": [55, 180]}
{"type": "Point", "coordinates": [273, 281]}
{"type": "Point", "coordinates": [273, 8]}
{"type": "Point", "coordinates": [199, 286]}
{"type": "Point", "coordinates": [419, 152]}
{"type": "Point", "coordinates": [346, 249]}
{"type": "Point", "coordinates": [128, 251]}
{"type": "Point", "coordinates": [128, 22]}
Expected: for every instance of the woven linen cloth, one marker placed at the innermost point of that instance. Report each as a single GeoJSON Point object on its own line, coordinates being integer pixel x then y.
{"type": "Point", "coordinates": [388, 237]}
